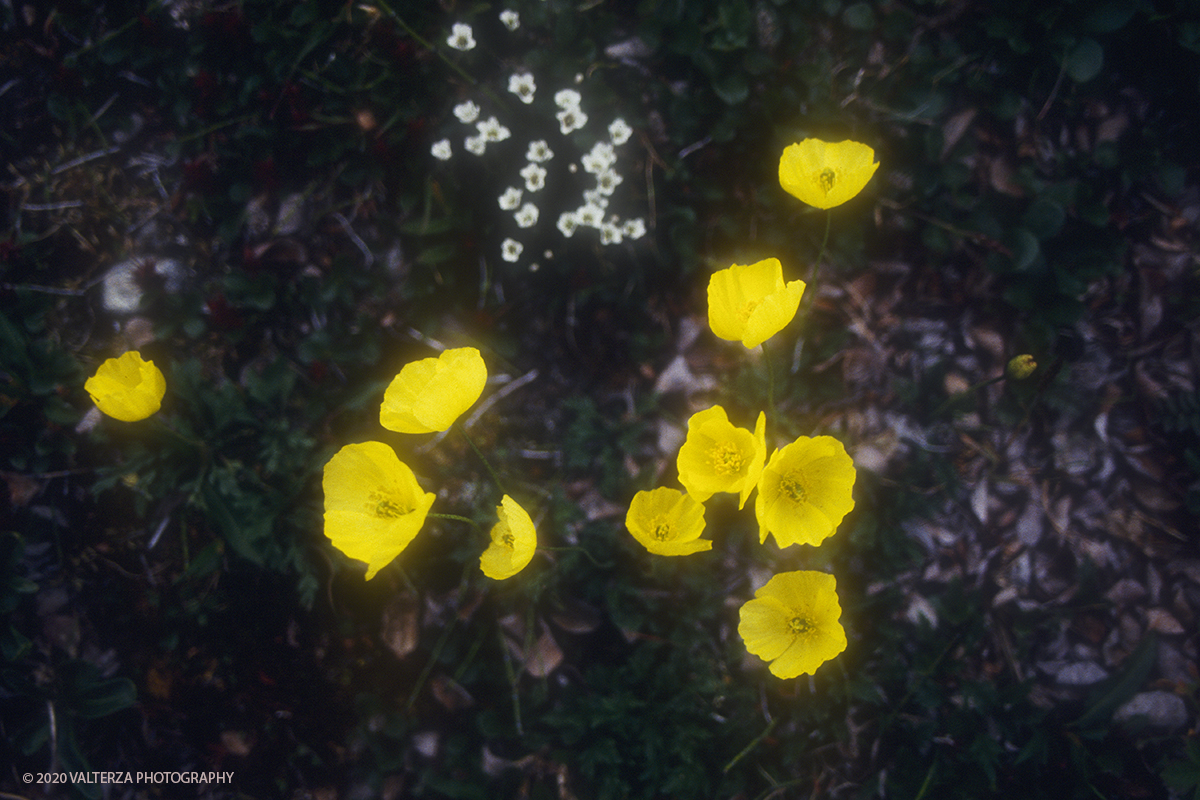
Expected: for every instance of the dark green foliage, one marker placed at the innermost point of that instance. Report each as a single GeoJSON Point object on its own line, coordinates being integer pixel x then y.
{"type": "Point", "coordinates": [190, 544]}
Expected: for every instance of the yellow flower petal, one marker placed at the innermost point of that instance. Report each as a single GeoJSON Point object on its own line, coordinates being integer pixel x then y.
{"type": "Point", "coordinates": [513, 542]}
{"type": "Point", "coordinates": [127, 388]}
{"type": "Point", "coordinates": [428, 395]}
{"type": "Point", "coordinates": [718, 457]}
{"type": "Point", "coordinates": [751, 303]}
{"type": "Point", "coordinates": [793, 623]}
{"type": "Point", "coordinates": [373, 504]}
{"type": "Point", "coordinates": [805, 491]}
{"type": "Point", "coordinates": [826, 174]}
{"type": "Point", "coordinates": [667, 522]}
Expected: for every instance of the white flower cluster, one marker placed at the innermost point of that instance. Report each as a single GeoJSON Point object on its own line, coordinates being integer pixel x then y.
{"type": "Point", "coordinates": [600, 161]}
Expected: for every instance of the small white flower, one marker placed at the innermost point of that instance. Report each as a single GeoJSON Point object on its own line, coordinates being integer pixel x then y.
{"type": "Point", "coordinates": [594, 197]}
{"type": "Point", "coordinates": [599, 158]}
{"type": "Point", "coordinates": [589, 215]}
{"type": "Point", "coordinates": [441, 150]}
{"type": "Point", "coordinates": [607, 181]}
{"type": "Point", "coordinates": [567, 99]}
{"type": "Point", "coordinates": [527, 217]}
{"type": "Point", "coordinates": [460, 37]}
{"type": "Point", "coordinates": [634, 228]}
{"type": "Point", "coordinates": [522, 86]}
{"type": "Point", "coordinates": [571, 119]}
{"type": "Point", "coordinates": [512, 21]}
{"type": "Point", "coordinates": [619, 132]}
{"type": "Point", "coordinates": [510, 199]}
{"type": "Point", "coordinates": [475, 144]}
{"type": "Point", "coordinates": [535, 177]}
{"type": "Point", "coordinates": [568, 221]}
{"type": "Point", "coordinates": [610, 233]}
{"type": "Point", "coordinates": [510, 250]}
{"type": "Point", "coordinates": [538, 152]}
{"type": "Point", "coordinates": [492, 130]}
{"type": "Point", "coordinates": [467, 112]}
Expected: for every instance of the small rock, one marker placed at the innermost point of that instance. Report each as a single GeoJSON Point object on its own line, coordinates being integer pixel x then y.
{"type": "Point", "coordinates": [1162, 710]}
{"type": "Point", "coordinates": [1084, 673]}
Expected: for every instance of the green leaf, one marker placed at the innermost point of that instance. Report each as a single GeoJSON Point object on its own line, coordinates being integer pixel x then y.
{"type": "Point", "coordinates": [92, 696]}
{"type": "Point", "coordinates": [1044, 218]}
{"type": "Point", "coordinates": [1085, 60]}
{"type": "Point", "coordinates": [1025, 248]}
{"type": "Point", "coordinates": [1109, 16]}
{"type": "Point", "coordinates": [732, 88]}
{"type": "Point", "coordinates": [859, 17]}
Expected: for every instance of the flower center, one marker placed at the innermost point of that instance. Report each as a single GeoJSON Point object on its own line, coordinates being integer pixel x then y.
{"type": "Point", "coordinates": [827, 178]}
{"type": "Point", "coordinates": [661, 529]}
{"type": "Point", "coordinates": [792, 486]}
{"type": "Point", "coordinates": [386, 507]}
{"type": "Point", "coordinates": [799, 625]}
{"type": "Point", "coordinates": [726, 458]}
{"type": "Point", "coordinates": [748, 309]}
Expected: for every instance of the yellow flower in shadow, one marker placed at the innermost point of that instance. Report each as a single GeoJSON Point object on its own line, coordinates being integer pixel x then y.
{"type": "Point", "coordinates": [667, 522]}
{"type": "Point", "coordinates": [751, 303]}
{"type": "Point", "coordinates": [718, 457]}
{"type": "Point", "coordinates": [373, 505]}
{"type": "Point", "coordinates": [804, 492]}
{"type": "Point", "coordinates": [826, 174]}
{"type": "Point", "coordinates": [428, 395]}
{"type": "Point", "coordinates": [513, 542]}
{"type": "Point", "coordinates": [127, 388]}
{"type": "Point", "coordinates": [793, 623]}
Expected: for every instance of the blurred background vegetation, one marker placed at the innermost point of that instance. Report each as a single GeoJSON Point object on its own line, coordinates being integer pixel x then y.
{"type": "Point", "coordinates": [244, 192]}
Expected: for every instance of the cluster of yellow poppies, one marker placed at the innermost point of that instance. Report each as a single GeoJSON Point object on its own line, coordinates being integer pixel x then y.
{"type": "Point", "coordinates": [373, 504]}
{"type": "Point", "coordinates": [805, 489]}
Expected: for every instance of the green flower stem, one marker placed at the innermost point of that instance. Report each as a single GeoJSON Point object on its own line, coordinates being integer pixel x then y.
{"type": "Point", "coordinates": [584, 550]}
{"type": "Point", "coordinates": [467, 520]}
{"type": "Point", "coordinates": [754, 743]}
{"type": "Point", "coordinates": [770, 386]}
{"type": "Point", "coordinates": [171, 429]}
{"type": "Point", "coordinates": [482, 458]}
{"type": "Point", "coordinates": [512, 679]}
{"type": "Point", "coordinates": [809, 291]}
{"type": "Point", "coordinates": [421, 40]}
{"type": "Point", "coordinates": [937, 412]}
{"type": "Point", "coordinates": [404, 577]}
{"type": "Point", "coordinates": [433, 657]}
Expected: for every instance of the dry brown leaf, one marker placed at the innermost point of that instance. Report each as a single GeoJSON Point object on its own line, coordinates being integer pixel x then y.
{"type": "Point", "coordinates": [1159, 619]}
{"type": "Point", "coordinates": [544, 657]}
{"type": "Point", "coordinates": [576, 617]}
{"type": "Point", "coordinates": [21, 489]}
{"type": "Point", "coordinates": [450, 694]}
{"type": "Point", "coordinates": [400, 627]}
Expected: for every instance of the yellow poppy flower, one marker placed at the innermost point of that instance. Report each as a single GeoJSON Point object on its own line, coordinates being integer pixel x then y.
{"type": "Point", "coordinates": [804, 493]}
{"type": "Point", "coordinates": [752, 303]}
{"type": "Point", "coordinates": [826, 174]}
{"type": "Point", "coordinates": [667, 522]}
{"type": "Point", "coordinates": [127, 388]}
{"type": "Point", "coordinates": [717, 457]}
{"type": "Point", "coordinates": [513, 542]}
{"type": "Point", "coordinates": [373, 504]}
{"type": "Point", "coordinates": [793, 623]}
{"type": "Point", "coordinates": [428, 395]}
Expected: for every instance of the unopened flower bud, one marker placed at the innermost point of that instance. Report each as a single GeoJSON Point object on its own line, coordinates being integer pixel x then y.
{"type": "Point", "coordinates": [1021, 367]}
